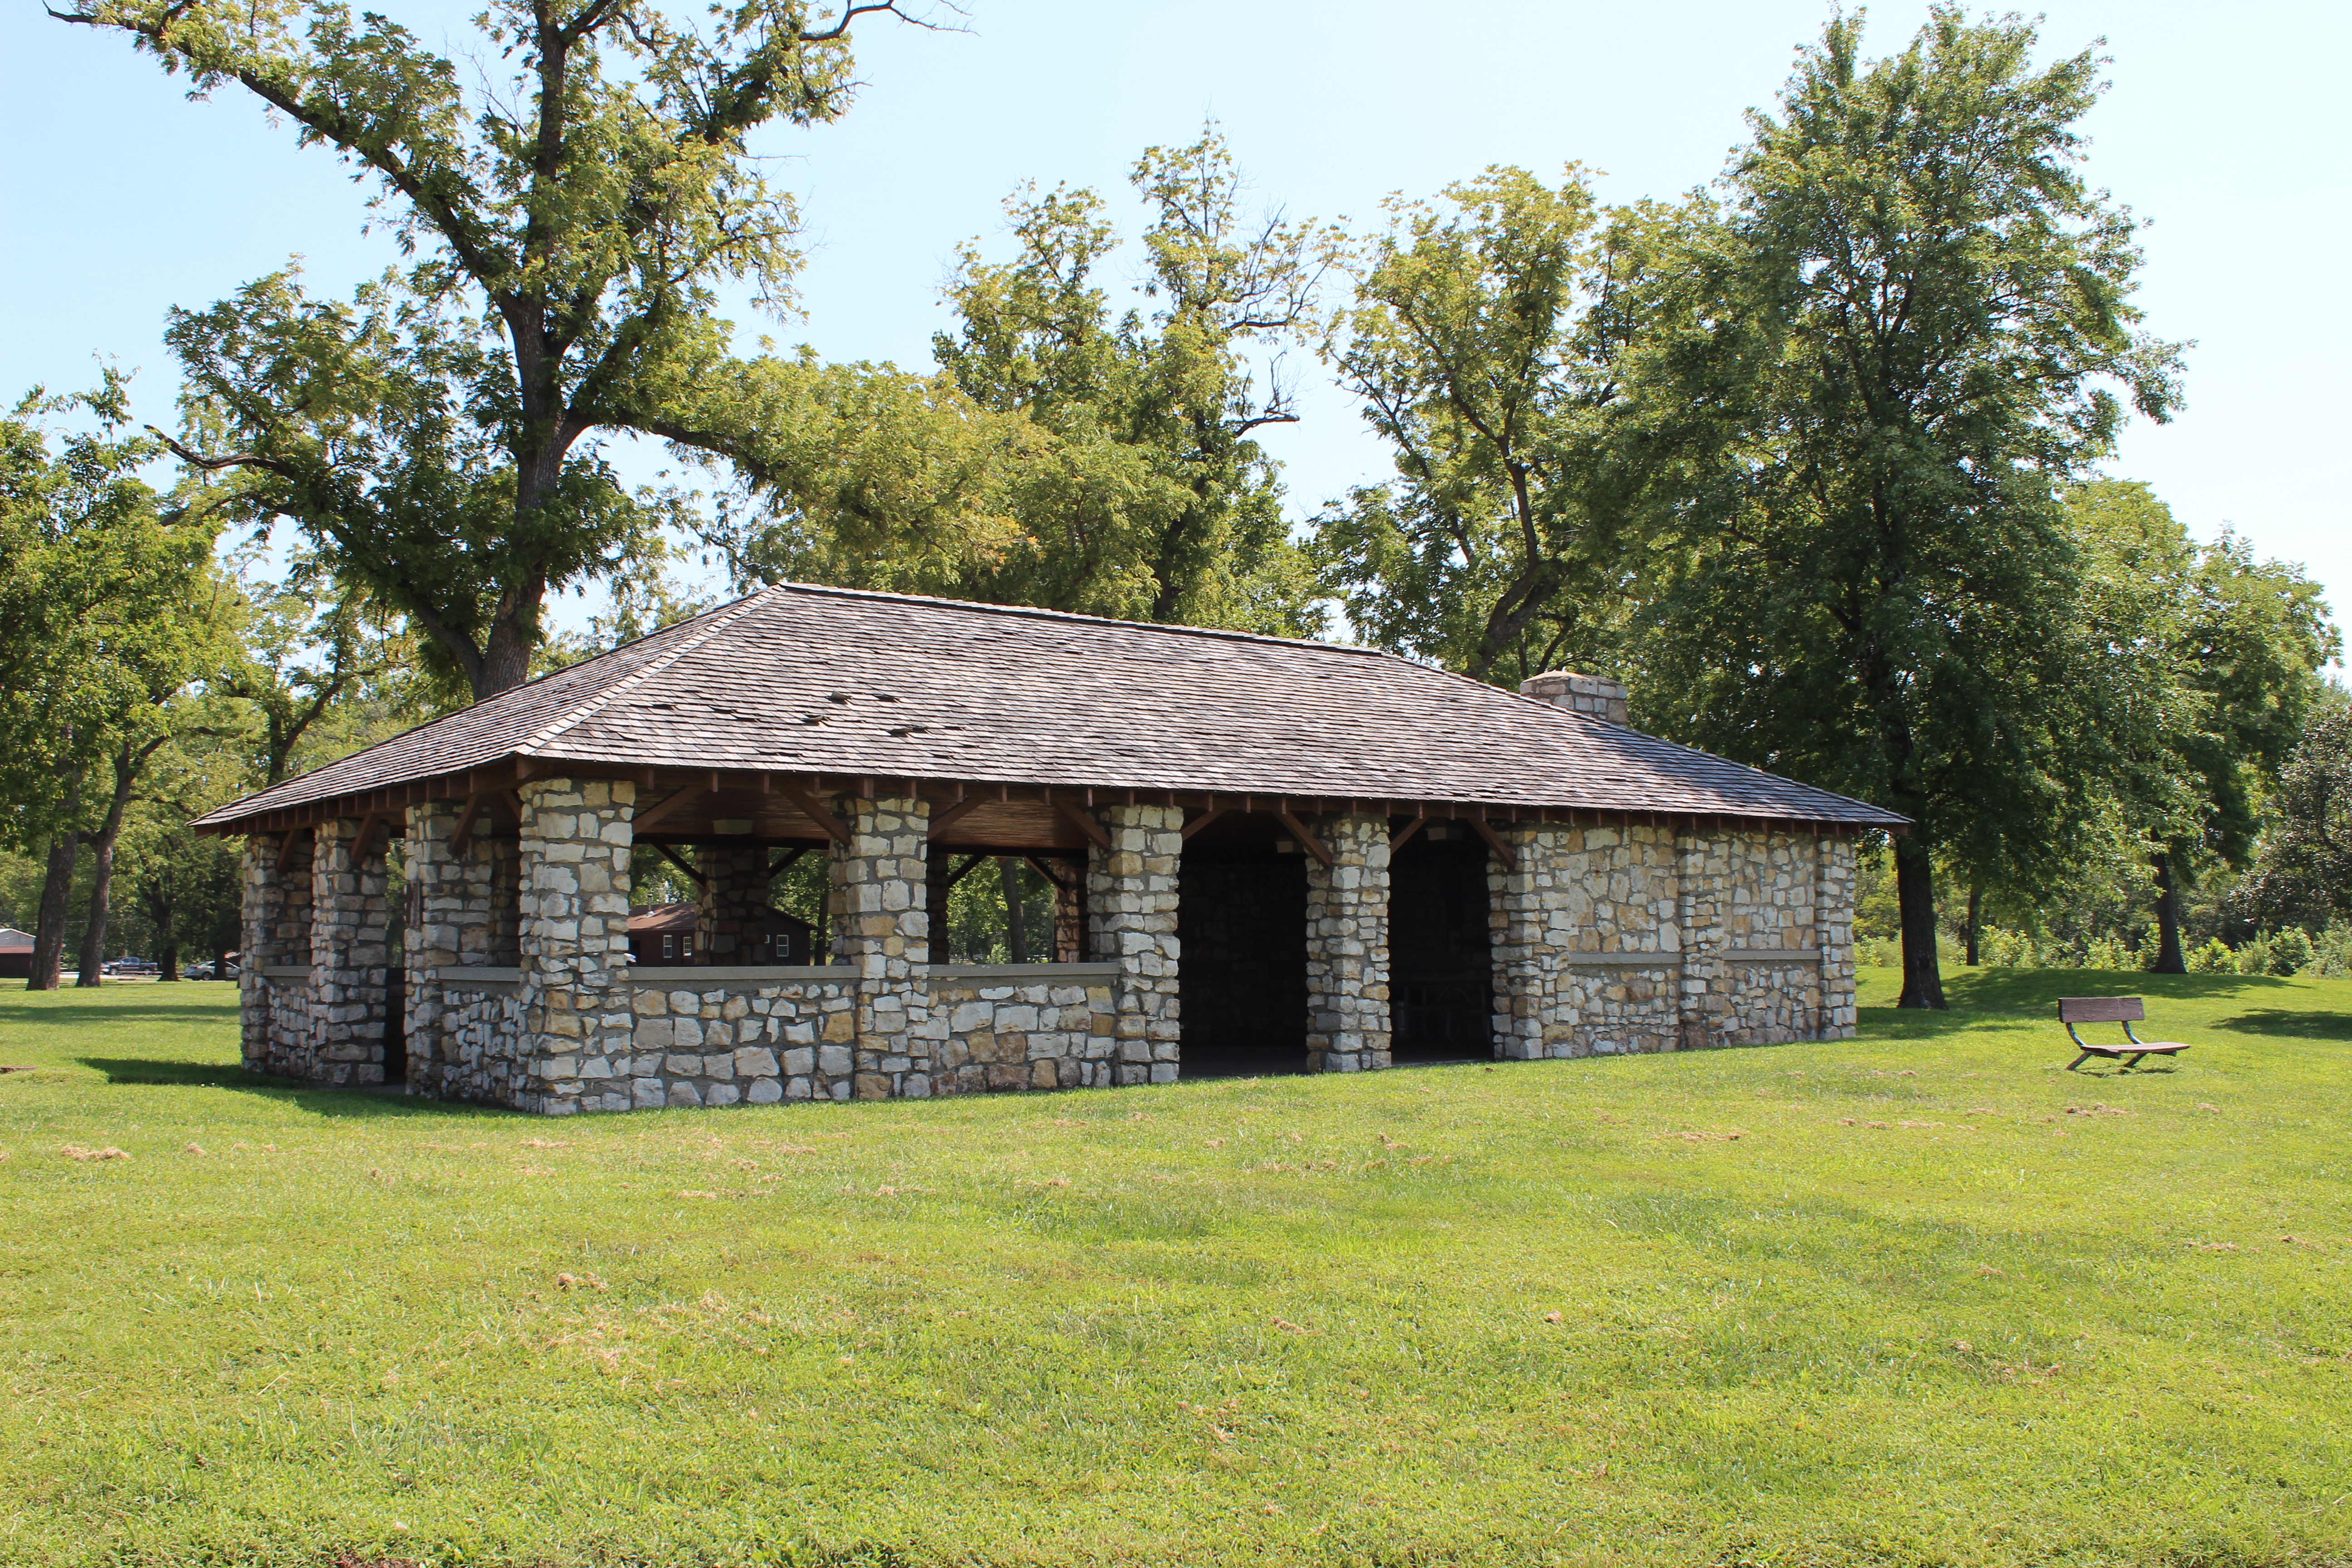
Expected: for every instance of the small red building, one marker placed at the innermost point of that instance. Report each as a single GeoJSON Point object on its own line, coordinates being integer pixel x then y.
{"type": "Point", "coordinates": [667, 934]}
{"type": "Point", "coordinates": [15, 953]}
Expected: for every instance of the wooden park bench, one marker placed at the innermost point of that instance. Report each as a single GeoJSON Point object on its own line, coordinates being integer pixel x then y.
{"type": "Point", "coordinates": [2124, 1010]}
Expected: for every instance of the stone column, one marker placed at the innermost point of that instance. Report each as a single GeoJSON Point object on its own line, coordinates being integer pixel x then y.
{"type": "Point", "coordinates": [1703, 872]}
{"type": "Point", "coordinates": [882, 929]}
{"type": "Point", "coordinates": [1834, 933]}
{"type": "Point", "coordinates": [263, 912]}
{"type": "Point", "coordinates": [349, 952]}
{"type": "Point", "coordinates": [464, 910]}
{"type": "Point", "coordinates": [731, 904]}
{"type": "Point", "coordinates": [1347, 948]}
{"type": "Point", "coordinates": [1069, 912]}
{"type": "Point", "coordinates": [576, 994]}
{"type": "Point", "coordinates": [1529, 909]}
{"type": "Point", "coordinates": [1130, 902]}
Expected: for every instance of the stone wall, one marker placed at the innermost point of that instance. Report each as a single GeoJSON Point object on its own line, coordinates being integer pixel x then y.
{"type": "Point", "coordinates": [1347, 948]}
{"type": "Point", "coordinates": [879, 888]}
{"type": "Point", "coordinates": [1833, 901]}
{"type": "Point", "coordinates": [1021, 1027]}
{"type": "Point", "coordinates": [1587, 941]}
{"type": "Point", "coordinates": [270, 931]}
{"type": "Point", "coordinates": [473, 1027]}
{"type": "Point", "coordinates": [350, 951]}
{"type": "Point", "coordinates": [1131, 905]}
{"type": "Point", "coordinates": [787, 1034]}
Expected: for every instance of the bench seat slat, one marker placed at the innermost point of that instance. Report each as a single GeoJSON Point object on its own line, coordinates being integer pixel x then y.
{"type": "Point", "coordinates": [2153, 1048]}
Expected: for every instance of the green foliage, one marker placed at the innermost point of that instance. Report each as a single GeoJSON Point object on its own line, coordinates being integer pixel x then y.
{"type": "Point", "coordinates": [2302, 869]}
{"type": "Point", "coordinates": [1901, 1321]}
{"type": "Point", "coordinates": [1489, 343]}
{"type": "Point", "coordinates": [1922, 310]}
{"type": "Point", "coordinates": [434, 440]}
{"type": "Point", "coordinates": [1063, 456]}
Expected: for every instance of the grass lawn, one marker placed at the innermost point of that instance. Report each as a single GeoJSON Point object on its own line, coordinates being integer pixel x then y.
{"type": "Point", "coordinates": [1916, 1299]}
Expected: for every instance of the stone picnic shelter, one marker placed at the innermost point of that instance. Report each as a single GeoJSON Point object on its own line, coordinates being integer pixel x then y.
{"type": "Point", "coordinates": [1266, 856]}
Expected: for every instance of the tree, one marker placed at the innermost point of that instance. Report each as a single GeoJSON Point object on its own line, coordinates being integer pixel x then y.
{"type": "Point", "coordinates": [436, 440]}
{"type": "Point", "coordinates": [1922, 316]}
{"type": "Point", "coordinates": [106, 613]}
{"type": "Point", "coordinates": [2302, 874]}
{"type": "Point", "coordinates": [305, 652]}
{"type": "Point", "coordinates": [2226, 650]}
{"type": "Point", "coordinates": [1489, 343]}
{"type": "Point", "coordinates": [1064, 457]}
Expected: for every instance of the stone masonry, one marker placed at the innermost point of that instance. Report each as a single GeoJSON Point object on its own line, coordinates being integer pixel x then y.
{"type": "Point", "coordinates": [1131, 903]}
{"type": "Point", "coordinates": [1348, 1020]}
{"type": "Point", "coordinates": [731, 902]}
{"type": "Point", "coordinates": [574, 989]}
{"type": "Point", "coordinates": [350, 951]}
{"type": "Point", "coordinates": [882, 932]}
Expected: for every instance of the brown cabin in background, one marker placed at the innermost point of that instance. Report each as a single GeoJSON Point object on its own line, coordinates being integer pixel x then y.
{"type": "Point", "coordinates": [664, 935]}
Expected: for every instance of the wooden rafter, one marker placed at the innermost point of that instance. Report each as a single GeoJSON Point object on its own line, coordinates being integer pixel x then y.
{"type": "Point", "coordinates": [285, 850]}
{"type": "Point", "coordinates": [463, 833]}
{"type": "Point", "coordinates": [943, 820]}
{"type": "Point", "coordinates": [1046, 871]}
{"type": "Point", "coordinates": [1299, 831]}
{"type": "Point", "coordinates": [960, 872]}
{"type": "Point", "coordinates": [1406, 832]}
{"type": "Point", "coordinates": [786, 860]}
{"type": "Point", "coordinates": [668, 804]}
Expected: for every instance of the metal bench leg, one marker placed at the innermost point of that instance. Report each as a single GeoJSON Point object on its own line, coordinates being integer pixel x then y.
{"type": "Point", "coordinates": [2078, 1061]}
{"type": "Point", "coordinates": [2135, 1061]}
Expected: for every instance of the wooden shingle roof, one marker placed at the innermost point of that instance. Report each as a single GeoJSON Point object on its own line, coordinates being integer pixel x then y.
{"type": "Point", "coordinates": [833, 682]}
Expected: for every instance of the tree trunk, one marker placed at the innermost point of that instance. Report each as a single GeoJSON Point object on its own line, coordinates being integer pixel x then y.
{"type": "Point", "coordinates": [167, 960]}
{"type": "Point", "coordinates": [49, 930]}
{"type": "Point", "coordinates": [1914, 888]}
{"type": "Point", "coordinates": [2169, 958]}
{"type": "Point", "coordinates": [101, 874]}
{"type": "Point", "coordinates": [1016, 916]}
{"type": "Point", "coordinates": [1976, 918]}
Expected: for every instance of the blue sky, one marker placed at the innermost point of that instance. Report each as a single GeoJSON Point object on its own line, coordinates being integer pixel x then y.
{"type": "Point", "coordinates": [2225, 127]}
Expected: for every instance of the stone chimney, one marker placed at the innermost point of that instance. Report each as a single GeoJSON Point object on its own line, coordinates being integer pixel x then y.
{"type": "Point", "coordinates": [1594, 694]}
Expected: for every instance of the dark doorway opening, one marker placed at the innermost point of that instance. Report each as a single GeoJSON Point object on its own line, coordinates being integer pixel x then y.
{"type": "Point", "coordinates": [1241, 927]}
{"type": "Point", "coordinates": [1441, 963]}
{"type": "Point", "coordinates": [395, 1025]}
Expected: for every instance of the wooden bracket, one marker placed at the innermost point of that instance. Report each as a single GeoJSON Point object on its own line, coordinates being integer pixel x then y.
{"type": "Point", "coordinates": [1206, 818]}
{"type": "Point", "coordinates": [1406, 831]}
{"type": "Point", "coordinates": [294, 837]}
{"type": "Point", "coordinates": [817, 812]}
{"type": "Point", "coordinates": [463, 833]}
{"type": "Point", "coordinates": [1087, 824]}
{"type": "Point", "coordinates": [359, 839]}
{"type": "Point", "coordinates": [699, 878]}
{"type": "Point", "coordinates": [788, 859]}
{"type": "Point", "coordinates": [1495, 841]}
{"type": "Point", "coordinates": [963, 871]}
{"type": "Point", "coordinates": [1047, 872]}
{"type": "Point", "coordinates": [943, 820]}
{"type": "Point", "coordinates": [1299, 831]}
{"type": "Point", "coordinates": [654, 813]}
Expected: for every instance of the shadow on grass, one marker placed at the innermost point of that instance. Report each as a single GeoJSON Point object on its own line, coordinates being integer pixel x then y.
{"type": "Point", "coordinates": [317, 1099]}
{"type": "Point", "coordinates": [2031, 996]}
{"type": "Point", "coordinates": [117, 1014]}
{"type": "Point", "coordinates": [2301, 1026]}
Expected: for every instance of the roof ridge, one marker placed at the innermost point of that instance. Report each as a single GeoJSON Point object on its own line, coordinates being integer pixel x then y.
{"type": "Point", "coordinates": [721, 620]}
{"type": "Point", "coordinates": [1038, 613]}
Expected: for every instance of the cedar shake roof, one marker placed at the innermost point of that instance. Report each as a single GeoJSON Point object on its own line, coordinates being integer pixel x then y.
{"type": "Point", "coordinates": [804, 679]}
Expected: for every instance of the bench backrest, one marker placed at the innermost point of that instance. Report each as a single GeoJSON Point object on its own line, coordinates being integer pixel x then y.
{"type": "Point", "coordinates": [2100, 1010]}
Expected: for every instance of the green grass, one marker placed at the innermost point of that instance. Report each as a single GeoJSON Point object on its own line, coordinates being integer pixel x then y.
{"type": "Point", "coordinates": [1918, 1298]}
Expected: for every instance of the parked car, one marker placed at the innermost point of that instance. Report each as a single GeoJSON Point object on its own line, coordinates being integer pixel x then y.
{"type": "Point", "coordinates": [203, 971]}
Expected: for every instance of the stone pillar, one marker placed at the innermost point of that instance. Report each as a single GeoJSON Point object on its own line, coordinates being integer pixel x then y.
{"type": "Point", "coordinates": [731, 904]}
{"type": "Point", "coordinates": [1069, 912]}
{"type": "Point", "coordinates": [1131, 903]}
{"type": "Point", "coordinates": [882, 929]}
{"type": "Point", "coordinates": [1834, 933]}
{"type": "Point", "coordinates": [575, 993]}
{"type": "Point", "coordinates": [1529, 910]}
{"type": "Point", "coordinates": [463, 910]}
{"type": "Point", "coordinates": [1347, 948]}
{"type": "Point", "coordinates": [1703, 877]}
{"type": "Point", "coordinates": [348, 951]}
{"type": "Point", "coordinates": [264, 918]}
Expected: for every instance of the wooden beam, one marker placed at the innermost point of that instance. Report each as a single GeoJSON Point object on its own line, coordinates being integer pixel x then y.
{"type": "Point", "coordinates": [1299, 831]}
{"type": "Point", "coordinates": [1206, 818]}
{"type": "Point", "coordinates": [788, 859]}
{"type": "Point", "coordinates": [661, 808]}
{"type": "Point", "coordinates": [285, 850]}
{"type": "Point", "coordinates": [1044, 870]}
{"type": "Point", "coordinates": [1406, 831]}
{"type": "Point", "coordinates": [1494, 842]}
{"type": "Point", "coordinates": [963, 871]}
{"type": "Point", "coordinates": [1087, 824]}
{"type": "Point", "coordinates": [359, 839]}
{"type": "Point", "coordinates": [943, 820]}
{"type": "Point", "coordinates": [816, 812]}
